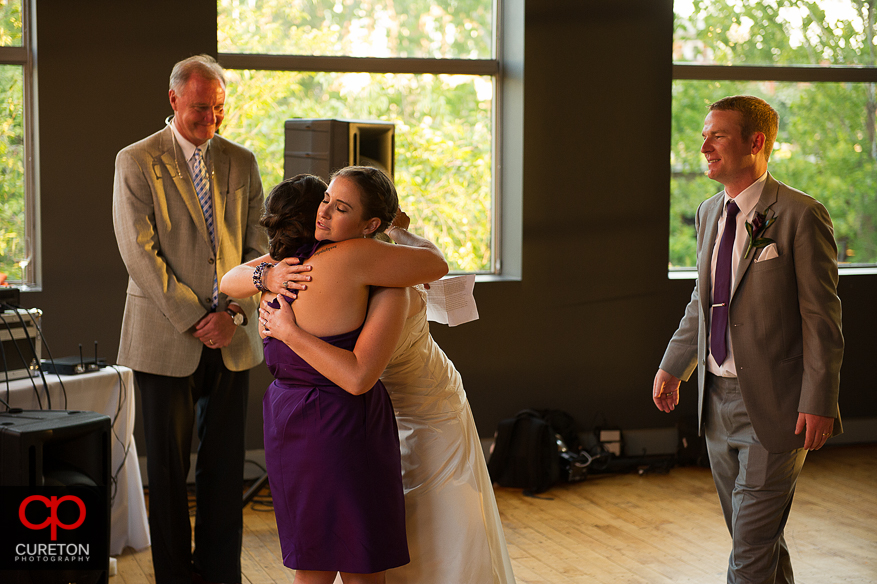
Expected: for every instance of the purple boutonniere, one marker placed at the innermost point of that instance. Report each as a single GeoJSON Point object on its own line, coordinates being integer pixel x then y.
{"type": "Point", "coordinates": [756, 228]}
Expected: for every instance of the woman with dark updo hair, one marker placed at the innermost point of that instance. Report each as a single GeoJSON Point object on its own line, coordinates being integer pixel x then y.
{"type": "Point", "coordinates": [331, 441]}
{"type": "Point", "coordinates": [290, 214]}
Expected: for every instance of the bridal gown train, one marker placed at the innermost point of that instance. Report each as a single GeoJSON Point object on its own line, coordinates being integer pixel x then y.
{"type": "Point", "coordinates": [454, 530]}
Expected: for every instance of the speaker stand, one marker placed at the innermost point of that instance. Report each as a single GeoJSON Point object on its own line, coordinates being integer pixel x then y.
{"type": "Point", "coordinates": [254, 490]}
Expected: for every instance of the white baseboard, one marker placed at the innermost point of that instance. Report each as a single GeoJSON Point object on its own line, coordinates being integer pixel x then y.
{"type": "Point", "coordinates": [643, 442]}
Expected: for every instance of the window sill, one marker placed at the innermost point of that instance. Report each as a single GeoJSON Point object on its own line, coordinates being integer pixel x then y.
{"type": "Point", "coordinates": [843, 270]}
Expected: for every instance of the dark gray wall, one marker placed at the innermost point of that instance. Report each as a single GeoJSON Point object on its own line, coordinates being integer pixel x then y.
{"type": "Point", "coordinates": [585, 328]}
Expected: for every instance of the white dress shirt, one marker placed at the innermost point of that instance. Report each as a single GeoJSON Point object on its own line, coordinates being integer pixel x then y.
{"type": "Point", "coordinates": [189, 150]}
{"type": "Point", "coordinates": [746, 202]}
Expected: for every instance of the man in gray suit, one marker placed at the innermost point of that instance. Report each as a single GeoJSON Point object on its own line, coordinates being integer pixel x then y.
{"type": "Point", "coordinates": [186, 206]}
{"type": "Point", "coordinates": [763, 328]}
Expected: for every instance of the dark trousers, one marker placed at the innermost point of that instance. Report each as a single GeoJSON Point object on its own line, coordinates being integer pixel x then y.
{"type": "Point", "coordinates": [216, 399]}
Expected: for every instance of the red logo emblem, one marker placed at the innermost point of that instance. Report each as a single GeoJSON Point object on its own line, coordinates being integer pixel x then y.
{"type": "Point", "coordinates": [52, 504]}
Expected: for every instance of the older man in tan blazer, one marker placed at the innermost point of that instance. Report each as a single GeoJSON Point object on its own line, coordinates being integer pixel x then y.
{"type": "Point", "coordinates": [186, 206]}
{"type": "Point", "coordinates": [763, 328]}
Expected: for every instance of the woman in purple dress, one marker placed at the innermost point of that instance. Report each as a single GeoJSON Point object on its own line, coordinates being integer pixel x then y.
{"type": "Point", "coordinates": [331, 442]}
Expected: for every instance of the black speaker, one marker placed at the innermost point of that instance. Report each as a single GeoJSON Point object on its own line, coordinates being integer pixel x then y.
{"type": "Point", "coordinates": [54, 497]}
{"type": "Point", "coordinates": [321, 147]}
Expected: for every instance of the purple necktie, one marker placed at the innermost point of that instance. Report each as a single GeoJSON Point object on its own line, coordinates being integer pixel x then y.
{"type": "Point", "coordinates": [722, 287]}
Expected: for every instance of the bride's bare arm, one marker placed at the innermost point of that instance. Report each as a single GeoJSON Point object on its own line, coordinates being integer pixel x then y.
{"type": "Point", "coordinates": [282, 278]}
{"type": "Point", "coordinates": [354, 371]}
{"type": "Point", "coordinates": [415, 260]}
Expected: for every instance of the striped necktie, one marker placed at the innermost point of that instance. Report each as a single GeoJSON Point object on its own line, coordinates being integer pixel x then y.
{"type": "Point", "coordinates": [202, 188]}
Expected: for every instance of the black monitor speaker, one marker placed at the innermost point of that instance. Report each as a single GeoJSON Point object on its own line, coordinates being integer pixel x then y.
{"type": "Point", "coordinates": [321, 147]}
{"type": "Point", "coordinates": [54, 497]}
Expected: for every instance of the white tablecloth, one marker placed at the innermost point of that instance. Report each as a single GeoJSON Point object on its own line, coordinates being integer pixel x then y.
{"type": "Point", "coordinates": [109, 391]}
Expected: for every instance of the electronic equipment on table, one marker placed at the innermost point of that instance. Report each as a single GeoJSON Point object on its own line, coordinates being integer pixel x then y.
{"type": "Point", "coordinates": [74, 365]}
{"type": "Point", "coordinates": [20, 342]}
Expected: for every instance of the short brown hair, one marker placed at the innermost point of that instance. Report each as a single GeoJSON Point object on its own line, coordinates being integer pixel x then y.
{"type": "Point", "coordinates": [756, 116]}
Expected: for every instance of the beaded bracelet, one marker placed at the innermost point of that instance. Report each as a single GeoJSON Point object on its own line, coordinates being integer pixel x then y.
{"type": "Point", "coordinates": [258, 273]}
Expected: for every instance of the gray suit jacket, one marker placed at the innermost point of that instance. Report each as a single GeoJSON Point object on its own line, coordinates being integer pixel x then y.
{"type": "Point", "coordinates": [784, 318]}
{"type": "Point", "coordinates": [164, 242]}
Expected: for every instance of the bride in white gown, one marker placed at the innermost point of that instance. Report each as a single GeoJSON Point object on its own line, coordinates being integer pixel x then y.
{"type": "Point", "coordinates": [454, 529]}
{"type": "Point", "coordinates": [453, 525]}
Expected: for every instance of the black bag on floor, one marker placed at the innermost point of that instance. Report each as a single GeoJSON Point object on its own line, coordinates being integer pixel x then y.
{"type": "Point", "coordinates": [574, 462]}
{"type": "Point", "coordinates": [525, 454]}
{"type": "Point", "coordinates": [564, 425]}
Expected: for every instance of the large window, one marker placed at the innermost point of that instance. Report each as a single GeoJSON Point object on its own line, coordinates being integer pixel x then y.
{"type": "Point", "coordinates": [815, 62]}
{"type": "Point", "coordinates": [431, 68]}
{"type": "Point", "coordinates": [17, 233]}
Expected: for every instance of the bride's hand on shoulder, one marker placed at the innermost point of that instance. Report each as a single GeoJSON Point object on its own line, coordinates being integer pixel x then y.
{"type": "Point", "coordinates": [287, 276]}
{"type": "Point", "coordinates": [401, 220]}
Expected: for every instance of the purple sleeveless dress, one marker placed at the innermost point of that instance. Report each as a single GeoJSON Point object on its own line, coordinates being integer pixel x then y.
{"type": "Point", "coordinates": [333, 465]}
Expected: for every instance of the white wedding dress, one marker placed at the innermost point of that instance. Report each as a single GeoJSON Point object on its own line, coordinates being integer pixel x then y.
{"type": "Point", "coordinates": [454, 531]}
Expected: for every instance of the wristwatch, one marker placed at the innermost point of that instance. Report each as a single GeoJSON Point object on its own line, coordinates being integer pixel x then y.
{"type": "Point", "coordinates": [238, 318]}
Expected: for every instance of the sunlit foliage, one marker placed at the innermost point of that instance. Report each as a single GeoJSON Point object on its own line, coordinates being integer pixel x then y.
{"type": "Point", "coordinates": [826, 144]}
{"type": "Point", "coordinates": [443, 123]}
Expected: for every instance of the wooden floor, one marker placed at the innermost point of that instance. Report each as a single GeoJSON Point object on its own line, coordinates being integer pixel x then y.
{"type": "Point", "coordinates": [646, 529]}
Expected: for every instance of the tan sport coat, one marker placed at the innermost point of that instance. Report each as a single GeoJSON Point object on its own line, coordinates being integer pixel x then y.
{"type": "Point", "coordinates": [784, 318]}
{"type": "Point", "coordinates": [164, 242]}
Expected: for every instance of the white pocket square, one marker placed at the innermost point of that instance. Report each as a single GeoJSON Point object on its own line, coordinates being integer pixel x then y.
{"type": "Point", "coordinates": [768, 253]}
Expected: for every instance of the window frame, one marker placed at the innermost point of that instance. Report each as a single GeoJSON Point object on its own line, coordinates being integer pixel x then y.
{"type": "Point", "coordinates": [506, 69]}
{"type": "Point", "coordinates": [25, 56]}
{"type": "Point", "coordinates": [795, 74]}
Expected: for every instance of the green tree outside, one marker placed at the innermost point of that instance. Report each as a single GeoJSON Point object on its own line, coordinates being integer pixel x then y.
{"type": "Point", "coordinates": [453, 29]}
{"type": "Point", "coordinates": [826, 144]}
{"type": "Point", "coordinates": [12, 209]}
{"type": "Point", "coordinates": [443, 123]}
